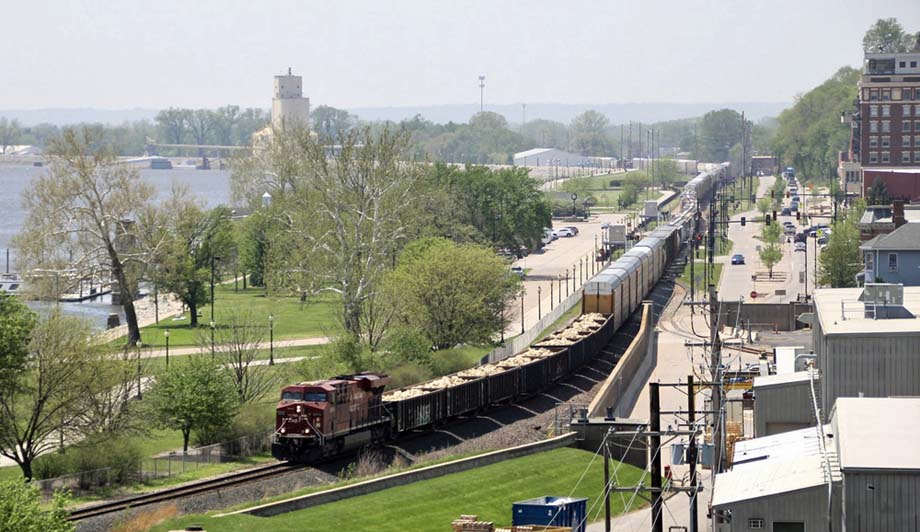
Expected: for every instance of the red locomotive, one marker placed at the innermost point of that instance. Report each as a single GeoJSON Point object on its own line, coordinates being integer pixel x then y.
{"type": "Point", "coordinates": [322, 418]}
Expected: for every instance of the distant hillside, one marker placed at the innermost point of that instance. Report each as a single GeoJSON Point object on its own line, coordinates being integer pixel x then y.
{"type": "Point", "coordinates": [617, 113]}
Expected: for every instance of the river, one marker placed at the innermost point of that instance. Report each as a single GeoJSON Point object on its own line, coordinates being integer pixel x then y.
{"type": "Point", "coordinates": [211, 186]}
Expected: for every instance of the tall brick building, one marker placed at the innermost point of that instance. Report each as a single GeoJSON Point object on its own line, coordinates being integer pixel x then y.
{"type": "Point", "coordinates": [885, 140]}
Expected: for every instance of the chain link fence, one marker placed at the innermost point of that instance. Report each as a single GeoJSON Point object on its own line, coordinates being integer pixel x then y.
{"type": "Point", "coordinates": [158, 467]}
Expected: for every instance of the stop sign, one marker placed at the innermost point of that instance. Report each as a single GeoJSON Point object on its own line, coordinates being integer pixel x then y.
{"type": "Point", "coordinates": [753, 294]}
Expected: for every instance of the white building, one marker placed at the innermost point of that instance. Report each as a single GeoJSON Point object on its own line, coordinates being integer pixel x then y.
{"type": "Point", "coordinates": [557, 157]}
{"type": "Point", "coordinates": [289, 108]}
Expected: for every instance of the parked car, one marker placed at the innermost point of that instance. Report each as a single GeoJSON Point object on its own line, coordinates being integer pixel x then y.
{"type": "Point", "coordinates": [787, 211]}
{"type": "Point", "coordinates": [800, 246]}
{"type": "Point", "coordinates": [737, 258]}
{"type": "Point", "coordinates": [519, 271]}
{"type": "Point", "coordinates": [789, 231]}
{"type": "Point", "coordinates": [801, 237]}
{"type": "Point", "coordinates": [571, 228]}
{"type": "Point", "coordinates": [564, 232]}
{"type": "Point", "coordinates": [822, 241]}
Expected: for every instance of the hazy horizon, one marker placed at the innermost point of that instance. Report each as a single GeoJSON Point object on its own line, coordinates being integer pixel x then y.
{"type": "Point", "coordinates": [371, 54]}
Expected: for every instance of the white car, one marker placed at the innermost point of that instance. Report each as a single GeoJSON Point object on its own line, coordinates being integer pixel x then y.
{"type": "Point", "coordinates": [800, 246]}
{"type": "Point", "coordinates": [564, 232]}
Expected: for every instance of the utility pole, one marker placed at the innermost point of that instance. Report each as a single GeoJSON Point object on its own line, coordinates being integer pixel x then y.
{"type": "Point", "coordinates": [606, 487]}
{"type": "Point", "coordinates": [692, 451]}
{"type": "Point", "coordinates": [715, 318]}
{"type": "Point", "coordinates": [654, 450]}
{"type": "Point", "coordinates": [629, 147]}
{"type": "Point", "coordinates": [482, 86]}
{"type": "Point", "coordinates": [622, 161]}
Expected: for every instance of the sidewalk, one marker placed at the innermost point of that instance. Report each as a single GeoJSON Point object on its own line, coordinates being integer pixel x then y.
{"type": "Point", "coordinates": [185, 350]}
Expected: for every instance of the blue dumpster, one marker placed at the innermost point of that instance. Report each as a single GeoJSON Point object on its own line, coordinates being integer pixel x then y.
{"type": "Point", "coordinates": [556, 511]}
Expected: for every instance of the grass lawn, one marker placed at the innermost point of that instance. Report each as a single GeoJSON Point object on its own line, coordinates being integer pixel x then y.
{"type": "Point", "coordinates": [316, 317]}
{"type": "Point", "coordinates": [432, 504]}
{"type": "Point", "coordinates": [154, 365]}
{"type": "Point", "coordinates": [701, 283]}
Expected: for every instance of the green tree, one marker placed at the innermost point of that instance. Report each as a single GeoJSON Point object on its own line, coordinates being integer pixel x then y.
{"type": "Point", "coordinates": [878, 193]}
{"type": "Point", "coordinates": [194, 240]}
{"type": "Point", "coordinates": [10, 133]}
{"type": "Point", "coordinates": [16, 325]}
{"type": "Point", "coordinates": [453, 294]}
{"type": "Point", "coordinates": [764, 205]}
{"type": "Point", "coordinates": [840, 260]}
{"type": "Point", "coordinates": [664, 172]}
{"type": "Point", "coordinates": [719, 132]}
{"type": "Point", "coordinates": [329, 122]}
{"type": "Point", "coordinates": [770, 252]}
{"type": "Point", "coordinates": [81, 221]}
{"type": "Point", "coordinates": [45, 400]}
{"type": "Point", "coordinates": [810, 134]}
{"type": "Point", "coordinates": [887, 36]}
{"type": "Point", "coordinates": [174, 124]}
{"type": "Point", "coordinates": [193, 397]}
{"type": "Point", "coordinates": [21, 510]}
{"type": "Point", "coordinates": [589, 133]}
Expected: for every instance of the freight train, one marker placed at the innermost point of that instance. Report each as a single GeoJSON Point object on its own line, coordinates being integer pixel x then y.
{"type": "Point", "coordinates": [329, 417]}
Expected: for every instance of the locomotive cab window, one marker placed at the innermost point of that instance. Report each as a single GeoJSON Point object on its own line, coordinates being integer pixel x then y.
{"type": "Point", "coordinates": [316, 397]}
{"type": "Point", "coordinates": [291, 396]}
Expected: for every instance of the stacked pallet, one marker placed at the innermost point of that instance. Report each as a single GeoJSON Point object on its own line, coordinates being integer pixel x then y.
{"type": "Point", "coordinates": [471, 523]}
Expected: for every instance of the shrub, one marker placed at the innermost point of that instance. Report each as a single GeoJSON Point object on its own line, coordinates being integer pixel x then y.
{"type": "Point", "coordinates": [409, 373]}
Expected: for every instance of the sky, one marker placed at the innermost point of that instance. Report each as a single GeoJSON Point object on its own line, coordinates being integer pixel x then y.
{"type": "Point", "coordinates": [206, 53]}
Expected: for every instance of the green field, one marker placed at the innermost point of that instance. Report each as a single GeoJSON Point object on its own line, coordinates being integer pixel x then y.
{"type": "Point", "coordinates": [292, 319]}
{"type": "Point", "coordinates": [701, 283]}
{"type": "Point", "coordinates": [432, 504]}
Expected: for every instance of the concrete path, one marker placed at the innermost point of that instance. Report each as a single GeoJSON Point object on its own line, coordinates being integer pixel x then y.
{"type": "Point", "coordinates": [194, 350]}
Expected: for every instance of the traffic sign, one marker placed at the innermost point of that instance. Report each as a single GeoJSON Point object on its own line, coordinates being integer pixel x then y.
{"type": "Point", "coordinates": [753, 294]}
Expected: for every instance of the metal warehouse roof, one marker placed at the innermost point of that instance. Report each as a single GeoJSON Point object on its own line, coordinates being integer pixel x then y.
{"type": "Point", "coordinates": [532, 152]}
{"type": "Point", "coordinates": [790, 444]}
{"type": "Point", "coordinates": [833, 304]}
{"type": "Point", "coordinates": [878, 432]}
{"type": "Point", "coordinates": [783, 378]}
{"type": "Point", "coordinates": [767, 477]}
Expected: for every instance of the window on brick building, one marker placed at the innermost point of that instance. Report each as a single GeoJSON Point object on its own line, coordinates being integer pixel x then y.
{"type": "Point", "coordinates": [873, 156]}
{"type": "Point", "coordinates": [873, 111]}
{"type": "Point", "coordinates": [917, 141]}
{"type": "Point", "coordinates": [873, 94]}
{"type": "Point", "coordinates": [905, 141]}
{"type": "Point", "coordinates": [886, 95]}
{"type": "Point", "coordinates": [905, 156]}
{"type": "Point", "coordinates": [917, 156]}
{"type": "Point", "coordinates": [917, 106]}
{"type": "Point", "coordinates": [886, 110]}
{"type": "Point", "coordinates": [886, 126]}
{"type": "Point", "coordinates": [892, 262]}
{"type": "Point", "coordinates": [873, 142]}
{"type": "Point", "coordinates": [905, 109]}
{"type": "Point", "coordinates": [895, 94]}
{"type": "Point", "coordinates": [886, 142]}
{"type": "Point", "coordinates": [873, 126]}
{"type": "Point", "coordinates": [905, 126]}
{"type": "Point", "coordinates": [886, 156]}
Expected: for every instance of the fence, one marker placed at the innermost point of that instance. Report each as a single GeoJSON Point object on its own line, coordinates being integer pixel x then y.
{"type": "Point", "coordinates": [159, 467]}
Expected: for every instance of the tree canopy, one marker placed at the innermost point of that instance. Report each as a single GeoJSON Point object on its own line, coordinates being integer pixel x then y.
{"type": "Point", "coordinates": [21, 510]}
{"type": "Point", "coordinates": [887, 35]}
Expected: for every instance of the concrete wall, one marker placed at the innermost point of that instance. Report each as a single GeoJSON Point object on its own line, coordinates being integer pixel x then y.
{"type": "Point", "coordinates": [765, 316]}
{"type": "Point", "coordinates": [624, 383]}
{"type": "Point", "coordinates": [406, 477]}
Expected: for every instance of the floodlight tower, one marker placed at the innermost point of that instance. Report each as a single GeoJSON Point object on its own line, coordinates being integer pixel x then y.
{"type": "Point", "coordinates": [482, 85]}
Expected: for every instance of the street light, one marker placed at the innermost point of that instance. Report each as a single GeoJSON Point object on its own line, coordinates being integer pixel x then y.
{"type": "Point", "coordinates": [574, 197]}
{"type": "Point", "coordinates": [539, 307]}
{"type": "Point", "coordinates": [271, 340]}
{"type": "Point", "coordinates": [213, 259]}
{"type": "Point", "coordinates": [266, 200]}
{"type": "Point", "coordinates": [551, 295]}
{"type": "Point", "coordinates": [212, 337]}
{"type": "Point", "coordinates": [522, 312]}
{"type": "Point", "coordinates": [140, 394]}
{"type": "Point", "coordinates": [166, 334]}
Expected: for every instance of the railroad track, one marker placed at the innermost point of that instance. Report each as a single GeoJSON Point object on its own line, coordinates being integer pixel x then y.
{"type": "Point", "coordinates": [168, 494]}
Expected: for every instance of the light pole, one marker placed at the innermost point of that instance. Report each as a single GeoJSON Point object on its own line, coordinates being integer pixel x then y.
{"type": "Point", "coordinates": [559, 277]}
{"type": "Point", "coordinates": [551, 295]}
{"type": "Point", "coordinates": [539, 307]}
{"type": "Point", "coordinates": [566, 284]}
{"type": "Point", "coordinates": [212, 286]}
{"type": "Point", "coordinates": [573, 278]}
{"type": "Point", "coordinates": [522, 312]}
{"type": "Point", "coordinates": [212, 337]}
{"type": "Point", "coordinates": [166, 334]}
{"type": "Point", "coordinates": [140, 394]}
{"type": "Point", "coordinates": [482, 86]}
{"type": "Point", "coordinates": [574, 198]}
{"type": "Point", "coordinates": [271, 340]}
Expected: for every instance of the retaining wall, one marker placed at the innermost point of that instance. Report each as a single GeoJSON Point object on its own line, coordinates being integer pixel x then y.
{"type": "Point", "coordinates": [765, 316]}
{"type": "Point", "coordinates": [406, 477]}
{"type": "Point", "coordinates": [625, 381]}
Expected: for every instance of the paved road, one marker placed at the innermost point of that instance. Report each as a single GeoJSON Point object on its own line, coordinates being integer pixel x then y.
{"type": "Point", "coordinates": [737, 280]}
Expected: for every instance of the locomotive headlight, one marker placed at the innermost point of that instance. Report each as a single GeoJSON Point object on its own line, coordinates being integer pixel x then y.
{"type": "Point", "coordinates": [306, 431]}
{"type": "Point", "coordinates": [283, 430]}
{"type": "Point", "coordinates": [298, 409]}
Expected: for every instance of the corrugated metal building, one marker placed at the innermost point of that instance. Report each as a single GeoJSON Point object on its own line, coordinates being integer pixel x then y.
{"type": "Point", "coordinates": [867, 347]}
{"type": "Point", "coordinates": [869, 453]}
{"type": "Point", "coordinates": [783, 402]}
